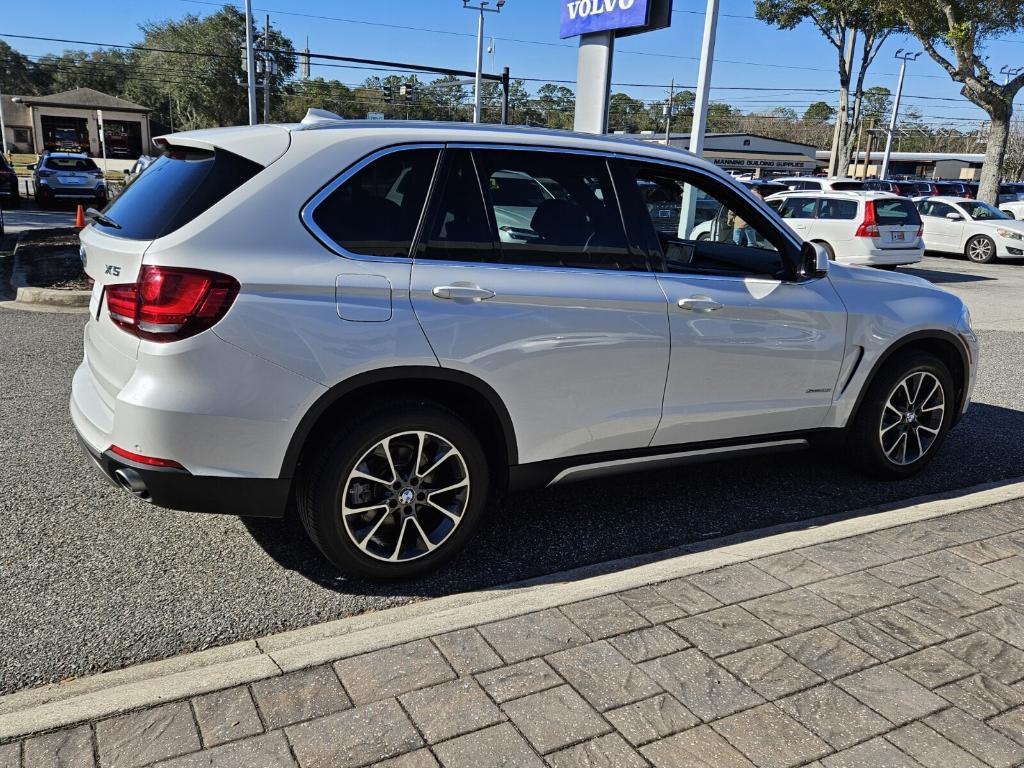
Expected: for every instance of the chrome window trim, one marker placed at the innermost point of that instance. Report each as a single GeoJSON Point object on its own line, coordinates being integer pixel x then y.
{"type": "Point", "coordinates": [309, 209]}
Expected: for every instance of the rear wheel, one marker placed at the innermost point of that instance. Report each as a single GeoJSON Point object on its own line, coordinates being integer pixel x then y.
{"type": "Point", "coordinates": [398, 493]}
{"type": "Point", "coordinates": [981, 249]}
{"type": "Point", "coordinates": [905, 415]}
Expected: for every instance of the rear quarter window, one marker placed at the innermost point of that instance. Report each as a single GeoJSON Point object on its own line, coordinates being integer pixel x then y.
{"type": "Point", "coordinates": [847, 186]}
{"type": "Point", "coordinates": [838, 209]}
{"type": "Point", "coordinates": [174, 190]}
{"type": "Point", "coordinates": [896, 213]}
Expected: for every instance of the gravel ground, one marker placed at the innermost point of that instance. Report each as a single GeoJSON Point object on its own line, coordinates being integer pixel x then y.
{"type": "Point", "coordinates": [94, 580]}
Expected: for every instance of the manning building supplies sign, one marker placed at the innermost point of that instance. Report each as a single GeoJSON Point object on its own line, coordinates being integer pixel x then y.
{"type": "Point", "coordinates": [582, 16]}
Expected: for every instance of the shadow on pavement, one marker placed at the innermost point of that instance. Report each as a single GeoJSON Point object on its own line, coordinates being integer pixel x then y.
{"type": "Point", "coordinates": [542, 532]}
{"type": "Point", "coordinates": [938, 276]}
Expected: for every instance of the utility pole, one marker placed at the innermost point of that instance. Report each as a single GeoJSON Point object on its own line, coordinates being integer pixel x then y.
{"type": "Point", "coordinates": [3, 128]}
{"type": "Point", "coordinates": [904, 57]}
{"type": "Point", "coordinates": [482, 8]}
{"type": "Point", "coordinates": [506, 85]}
{"type": "Point", "coordinates": [860, 170]}
{"type": "Point", "coordinates": [841, 114]}
{"type": "Point", "coordinates": [250, 61]}
{"type": "Point", "coordinates": [668, 110]}
{"type": "Point", "coordinates": [700, 106]}
{"type": "Point", "coordinates": [266, 70]}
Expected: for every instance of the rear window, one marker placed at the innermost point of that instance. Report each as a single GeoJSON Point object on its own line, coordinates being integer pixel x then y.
{"type": "Point", "coordinates": [847, 186]}
{"type": "Point", "coordinates": [70, 164]}
{"type": "Point", "coordinates": [174, 190]}
{"type": "Point", "coordinates": [892, 213]}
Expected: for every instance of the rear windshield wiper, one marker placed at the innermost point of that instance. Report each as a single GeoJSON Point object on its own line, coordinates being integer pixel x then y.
{"type": "Point", "coordinates": [102, 218]}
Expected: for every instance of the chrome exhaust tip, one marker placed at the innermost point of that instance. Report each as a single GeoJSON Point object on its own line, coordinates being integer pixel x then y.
{"type": "Point", "coordinates": [132, 482]}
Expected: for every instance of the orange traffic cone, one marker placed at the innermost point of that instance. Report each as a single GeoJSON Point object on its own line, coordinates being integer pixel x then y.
{"type": "Point", "coordinates": [80, 218]}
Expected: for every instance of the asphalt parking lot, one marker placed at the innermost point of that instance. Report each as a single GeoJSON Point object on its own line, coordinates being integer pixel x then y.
{"type": "Point", "coordinates": [94, 580]}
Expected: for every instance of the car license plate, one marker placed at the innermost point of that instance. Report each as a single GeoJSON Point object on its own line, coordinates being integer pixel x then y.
{"type": "Point", "coordinates": [897, 235]}
{"type": "Point", "coordinates": [69, 179]}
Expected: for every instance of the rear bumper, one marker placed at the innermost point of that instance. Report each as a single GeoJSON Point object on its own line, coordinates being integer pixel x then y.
{"type": "Point", "coordinates": [879, 257]}
{"type": "Point", "coordinates": [181, 490]}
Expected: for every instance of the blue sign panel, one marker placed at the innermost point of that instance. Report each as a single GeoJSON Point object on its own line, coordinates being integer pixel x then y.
{"type": "Point", "coordinates": [582, 16]}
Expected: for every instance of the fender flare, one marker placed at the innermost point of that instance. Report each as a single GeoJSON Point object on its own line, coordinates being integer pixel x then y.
{"type": "Point", "coordinates": [905, 341]}
{"type": "Point", "coordinates": [396, 374]}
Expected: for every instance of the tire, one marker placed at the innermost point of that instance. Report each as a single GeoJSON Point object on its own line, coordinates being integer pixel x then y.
{"type": "Point", "coordinates": [980, 249]}
{"type": "Point", "coordinates": [828, 249]}
{"type": "Point", "coordinates": [362, 544]}
{"type": "Point", "coordinates": [875, 433]}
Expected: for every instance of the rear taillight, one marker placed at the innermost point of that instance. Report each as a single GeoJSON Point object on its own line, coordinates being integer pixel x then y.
{"type": "Point", "coordinates": [920, 229]}
{"type": "Point", "coordinates": [45, 174]}
{"type": "Point", "coordinates": [169, 303]}
{"type": "Point", "coordinates": [868, 227]}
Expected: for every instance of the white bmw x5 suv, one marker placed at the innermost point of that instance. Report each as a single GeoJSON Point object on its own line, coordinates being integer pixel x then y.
{"type": "Point", "coordinates": [331, 315]}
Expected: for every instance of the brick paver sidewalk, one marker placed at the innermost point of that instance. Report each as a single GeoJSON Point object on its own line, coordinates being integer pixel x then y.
{"type": "Point", "coordinates": [902, 647]}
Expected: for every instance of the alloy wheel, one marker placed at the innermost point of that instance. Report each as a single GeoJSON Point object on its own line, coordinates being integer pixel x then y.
{"type": "Point", "coordinates": [405, 496]}
{"type": "Point", "coordinates": [979, 249]}
{"type": "Point", "coordinates": [912, 418]}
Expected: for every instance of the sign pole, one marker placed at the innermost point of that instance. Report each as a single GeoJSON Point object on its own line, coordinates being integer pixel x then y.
{"type": "Point", "coordinates": [103, 140]}
{"type": "Point", "coordinates": [594, 81]}
{"type": "Point", "coordinates": [707, 56]}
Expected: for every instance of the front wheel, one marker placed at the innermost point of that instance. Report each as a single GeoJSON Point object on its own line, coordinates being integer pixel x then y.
{"type": "Point", "coordinates": [981, 249]}
{"type": "Point", "coordinates": [397, 493]}
{"type": "Point", "coordinates": [904, 416]}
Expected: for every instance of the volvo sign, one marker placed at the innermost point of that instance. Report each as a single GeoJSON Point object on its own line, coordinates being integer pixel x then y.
{"type": "Point", "coordinates": [624, 17]}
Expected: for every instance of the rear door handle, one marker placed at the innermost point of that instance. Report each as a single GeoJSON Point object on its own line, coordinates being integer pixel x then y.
{"type": "Point", "coordinates": [700, 304]}
{"type": "Point", "coordinates": [472, 292]}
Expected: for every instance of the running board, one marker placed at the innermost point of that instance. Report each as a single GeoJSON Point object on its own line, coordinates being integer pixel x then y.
{"type": "Point", "coordinates": [644, 463]}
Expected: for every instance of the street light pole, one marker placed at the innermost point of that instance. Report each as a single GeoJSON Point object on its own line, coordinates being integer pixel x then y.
{"type": "Point", "coordinates": [1007, 71]}
{"type": "Point", "coordinates": [250, 60]}
{"type": "Point", "coordinates": [668, 110]}
{"type": "Point", "coordinates": [481, 8]}
{"type": "Point", "coordinates": [266, 70]}
{"type": "Point", "coordinates": [904, 57]}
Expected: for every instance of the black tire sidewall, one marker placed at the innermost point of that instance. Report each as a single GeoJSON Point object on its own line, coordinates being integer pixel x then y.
{"type": "Point", "coordinates": [326, 486]}
{"type": "Point", "coordinates": [869, 415]}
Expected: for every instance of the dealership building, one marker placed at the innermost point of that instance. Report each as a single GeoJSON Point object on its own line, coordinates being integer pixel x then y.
{"type": "Point", "coordinates": [69, 121]}
{"type": "Point", "coordinates": [759, 156]}
{"type": "Point", "coordinates": [961, 166]}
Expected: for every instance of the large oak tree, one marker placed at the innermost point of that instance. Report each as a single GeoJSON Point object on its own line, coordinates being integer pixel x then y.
{"type": "Point", "coordinates": [954, 33]}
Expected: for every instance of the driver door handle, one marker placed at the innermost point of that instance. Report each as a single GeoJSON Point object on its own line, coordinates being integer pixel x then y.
{"type": "Point", "coordinates": [699, 304]}
{"type": "Point", "coordinates": [472, 292]}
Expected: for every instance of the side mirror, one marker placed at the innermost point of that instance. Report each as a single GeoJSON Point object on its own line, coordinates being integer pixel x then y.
{"type": "Point", "coordinates": [127, 172]}
{"type": "Point", "coordinates": [31, 167]}
{"type": "Point", "coordinates": [814, 260]}
{"type": "Point", "coordinates": [954, 216]}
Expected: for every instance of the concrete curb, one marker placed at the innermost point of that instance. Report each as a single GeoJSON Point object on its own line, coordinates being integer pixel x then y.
{"type": "Point", "coordinates": [143, 685]}
{"type": "Point", "coordinates": [51, 297]}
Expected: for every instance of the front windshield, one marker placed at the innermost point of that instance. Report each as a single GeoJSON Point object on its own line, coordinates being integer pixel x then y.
{"type": "Point", "coordinates": [983, 211]}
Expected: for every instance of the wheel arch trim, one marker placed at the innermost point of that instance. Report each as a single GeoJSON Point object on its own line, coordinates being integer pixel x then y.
{"type": "Point", "coordinates": [910, 339]}
{"type": "Point", "coordinates": [391, 375]}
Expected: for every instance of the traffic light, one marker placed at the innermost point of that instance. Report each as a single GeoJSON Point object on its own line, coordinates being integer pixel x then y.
{"type": "Point", "coordinates": [389, 95]}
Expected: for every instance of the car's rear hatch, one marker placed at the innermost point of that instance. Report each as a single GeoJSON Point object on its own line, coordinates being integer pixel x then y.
{"type": "Point", "coordinates": [191, 176]}
{"type": "Point", "coordinates": [898, 223]}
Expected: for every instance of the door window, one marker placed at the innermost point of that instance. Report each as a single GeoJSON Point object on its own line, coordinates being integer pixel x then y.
{"type": "Point", "coordinates": [837, 209]}
{"type": "Point", "coordinates": [799, 208]}
{"type": "Point", "coordinates": [458, 228]}
{"type": "Point", "coordinates": [934, 209]}
{"type": "Point", "coordinates": [709, 228]}
{"type": "Point", "coordinates": [554, 210]}
{"type": "Point", "coordinates": [377, 210]}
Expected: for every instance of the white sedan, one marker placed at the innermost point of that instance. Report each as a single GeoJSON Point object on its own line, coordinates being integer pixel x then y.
{"type": "Point", "coordinates": [978, 230]}
{"type": "Point", "coordinates": [1015, 209]}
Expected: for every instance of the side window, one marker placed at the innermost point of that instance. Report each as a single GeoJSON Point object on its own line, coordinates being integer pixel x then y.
{"type": "Point", "coordinates": [458, 227]}
{"type": "Point", "coordinates": [939, 210]}
{"type": "Point", "coordinates": [837, 209]}
{"type": "Point", "coordinates": [376, 211]}
{"type": "Point", "coordinates": [706, 231]}
{"type": "Point", "coordinates": [799, 208]}
{"type": "Point", "coordinates": [554, 210]}
{"type": "Point", "coordinates": [811, 186]}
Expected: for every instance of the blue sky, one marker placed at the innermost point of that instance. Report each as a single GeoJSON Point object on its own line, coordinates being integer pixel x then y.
{"type": "Point", "coordinates": [749, 53]}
